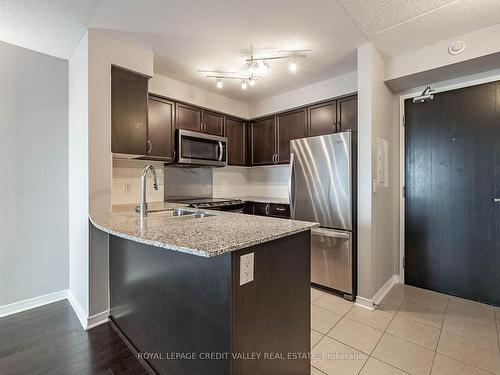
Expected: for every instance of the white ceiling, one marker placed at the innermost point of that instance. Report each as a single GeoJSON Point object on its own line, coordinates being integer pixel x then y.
{"type": "Point", "coordinates": [398, 26]}
{"type": "Point", "coordinates": [53, 27]}
{"type": "Point", "coordinates": [201, 34]}
{"type": "Point", "coordinates": [187, 35]}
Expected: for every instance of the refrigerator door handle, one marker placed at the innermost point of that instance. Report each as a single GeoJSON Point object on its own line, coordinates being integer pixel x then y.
{"type": "Point", "coordinates": [290, 186]}
{"type": "Point", "coordinates": [331, 233]}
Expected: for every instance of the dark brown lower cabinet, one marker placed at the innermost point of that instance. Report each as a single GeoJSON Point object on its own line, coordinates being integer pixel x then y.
{"type": "Point", "coordinates": [161, 129]}
{"type": "Point", "coordinates": [183, 307]}
{"type": "Point", "coordinates": [267, 209]}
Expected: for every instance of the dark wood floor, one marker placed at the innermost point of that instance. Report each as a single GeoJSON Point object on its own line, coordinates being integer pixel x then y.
{"type": "Point", "coordinates": [50, 340]}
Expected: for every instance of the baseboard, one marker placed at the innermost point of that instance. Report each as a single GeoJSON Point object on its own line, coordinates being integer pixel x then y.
{"type": "Point", "coordinates": [78, 309]}
{"type": "Point", "coordinates": [364, 303]}
{"type": "Point", "coordinates": [97, 319]}
{"type": "Point", "coordinates": [32, 303]}
{"type": "Point", "coordinates": [369, 304]}
{"type": "Point", "coordinates": [379, 296]}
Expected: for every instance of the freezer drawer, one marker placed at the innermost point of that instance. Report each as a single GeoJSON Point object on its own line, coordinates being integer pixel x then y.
{"type": "Point", "coordinates": [331, 259]}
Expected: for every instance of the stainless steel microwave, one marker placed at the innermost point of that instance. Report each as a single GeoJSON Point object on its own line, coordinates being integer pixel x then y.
{"type": "Point", "coordinates": [201, 149]}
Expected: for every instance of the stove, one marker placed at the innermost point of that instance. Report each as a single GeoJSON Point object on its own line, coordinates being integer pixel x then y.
{"type": "Point", "coordinates": [221, 204]}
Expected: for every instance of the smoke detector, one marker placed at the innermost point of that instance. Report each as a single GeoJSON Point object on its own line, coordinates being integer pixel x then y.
{"type": "Point", "coordinates": [456, 47]}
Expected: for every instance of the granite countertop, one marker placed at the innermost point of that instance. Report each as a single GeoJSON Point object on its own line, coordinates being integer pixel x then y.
{"type": "Point", "coordinates": [206, 236]}
{"type": "Point", "coordinates": [263, 200]}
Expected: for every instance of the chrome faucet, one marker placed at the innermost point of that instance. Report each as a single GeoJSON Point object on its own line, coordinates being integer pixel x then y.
{"type": "Point", "coordinates": [143, 206]}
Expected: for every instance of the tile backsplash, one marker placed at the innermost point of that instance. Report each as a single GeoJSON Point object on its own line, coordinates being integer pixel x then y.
{"type": "Point", "coordinates": [227, 182]}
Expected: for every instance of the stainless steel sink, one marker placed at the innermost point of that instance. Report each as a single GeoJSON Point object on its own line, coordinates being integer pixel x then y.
{"type": "Point", "coordinates": [182, 212]}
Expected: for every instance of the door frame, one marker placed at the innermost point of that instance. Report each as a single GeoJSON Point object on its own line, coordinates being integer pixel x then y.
{"type": "Point", "coordinates": [470, 80]}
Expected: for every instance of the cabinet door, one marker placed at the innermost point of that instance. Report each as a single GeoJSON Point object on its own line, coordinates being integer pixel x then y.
{"type": "Point", "coordinates": [161, 128]}
{"type": "Point", "coordinates": [290, 125]}
{"type": "Point", "coordinates": [212, 123]}
{"type": "Point", "coordinates": [322, 118]}
{"type": "Point", "coordinates": [235, 133]}
{"type": "Point", "coordinates": [129, 112]}
{"type": "Point", "coordinates": [187, 117]}
{"type": "Point", "coordinates": [263, 141]}
{"type": "Point", "coordinates": [347, 109]}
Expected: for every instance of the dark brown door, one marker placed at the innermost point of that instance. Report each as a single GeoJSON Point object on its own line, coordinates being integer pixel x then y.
{"type": "Point", "coordinates": [263, 141]}
{"type": "Point", "coordinates": [129, 112]}
{"type": "Point", "coordinates": [290, 125]}
{"type": "Point", "coordinates": [452, 232]}
{"type": "Point", "coordinates": [235, 133]}
{"type": "Point", "coordinates": [212, 123]}
{"type": "Point", "coordinates": [347, 109]}
{"type": "Point", "coordinates": [322, 118]}
{"type": "Point", "coordinates": [161, 128]}
{"type": "Point", "coordinates": [187, 117]}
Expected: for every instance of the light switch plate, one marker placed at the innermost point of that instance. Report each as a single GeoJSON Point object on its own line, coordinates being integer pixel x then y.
{"type": "Point", "coordinates": [246, 268]}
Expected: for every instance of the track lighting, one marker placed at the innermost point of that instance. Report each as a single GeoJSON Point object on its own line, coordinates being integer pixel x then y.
{"type": "Point", "coordinates": [293, 66]}
{"type": "Point", "coordinates": [265, 67]}
{"type": "Point", "coordinates": [243, 84]}
{"type": "Point", "coordinates": [219, 83]}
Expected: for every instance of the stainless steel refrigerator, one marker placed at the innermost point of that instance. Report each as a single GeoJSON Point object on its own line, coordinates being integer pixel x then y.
{"type": "Point", "coordinates": [321, 190]}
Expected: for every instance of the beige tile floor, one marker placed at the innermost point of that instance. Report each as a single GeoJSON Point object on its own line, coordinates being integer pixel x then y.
{"type": "Point", "coordinates": [415, 331]}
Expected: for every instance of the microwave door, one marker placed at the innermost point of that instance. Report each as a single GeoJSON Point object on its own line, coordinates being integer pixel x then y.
{"type": "Point", "coordinates": [201, 149]}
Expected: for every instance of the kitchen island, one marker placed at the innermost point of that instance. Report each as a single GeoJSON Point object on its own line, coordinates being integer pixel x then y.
{"type": "Point", "coordinates": [210, 292]}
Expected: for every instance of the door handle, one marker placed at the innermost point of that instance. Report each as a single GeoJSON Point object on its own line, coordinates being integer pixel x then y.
{"type": "Point", "coordinates": [221, 151]}
{"type": "Point", "coordinates": [290, 186]}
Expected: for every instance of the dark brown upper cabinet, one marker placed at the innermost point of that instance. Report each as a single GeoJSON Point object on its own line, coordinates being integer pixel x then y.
{"type": "Point", "coordinates": [236, 141]}
{"type": "Point", "coordinates": [212, 123]}
{"type": "Point", "coordinates": [347, 114]}
{"type": "Point", "coordinates": [289, 125]}
{"type": "Point", "coordinates": [129, 112]}
{"type": "Point", "coordinates": [263, 141]}
{"type": "Point", "coordinates": [322, 118]}
{"type": "Point", "coordinates": [187, 117]}
{"type": "Point", "coordinates": [161, 129]}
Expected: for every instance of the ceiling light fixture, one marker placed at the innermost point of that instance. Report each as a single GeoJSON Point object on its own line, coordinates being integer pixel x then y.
{"type": "Point", "coordinates": [256, 67]}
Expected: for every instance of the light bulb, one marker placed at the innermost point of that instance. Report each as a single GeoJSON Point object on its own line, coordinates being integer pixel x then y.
{"type": "Point", "coordinates": [265, 67]}
{"type": "Point", "coordinates": [219, 83]}
{"type": "Point", "coordinates": [243, 85]}
{"type": "Point", "coordinates": [293, 66]}
{"type": "Point", "coordinates": [251, 81]}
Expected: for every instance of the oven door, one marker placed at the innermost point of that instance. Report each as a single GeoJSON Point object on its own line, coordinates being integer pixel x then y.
{"type": "Point", "coordinates": [331, 259]}
{"type": "Point", "coordinates": [201, 149]}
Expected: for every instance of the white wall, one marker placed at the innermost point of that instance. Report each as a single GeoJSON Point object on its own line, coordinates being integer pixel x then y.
{"type": "Point", "coordinates": [34, 180]}
{"type": "Point", "coordinates": [173, 89]}
{"type": "Point", "coordinates": [78, 179]}
{"type": "Point", "coordinates": [378, 222]}
{"type": "Point", "coordinates": [327, 89]}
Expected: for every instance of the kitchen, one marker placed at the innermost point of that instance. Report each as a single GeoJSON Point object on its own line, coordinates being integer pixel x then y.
{"type": "Point", "coordinates": [214, 207]}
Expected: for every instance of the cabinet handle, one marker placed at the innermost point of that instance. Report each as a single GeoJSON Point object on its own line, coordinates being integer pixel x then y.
{"type": "Point", "coordinates": [496, 200]}
{"type": "Point", "coordinates": [281, 209]}
{"type": "Point", "coordinates": [267, 209]}
{"type": "Point", "coordinates": [174, 154]}
{"type": "Point", "coordinates": [150, 147]}
{"type": "Point", "coordinates": [277, 158]}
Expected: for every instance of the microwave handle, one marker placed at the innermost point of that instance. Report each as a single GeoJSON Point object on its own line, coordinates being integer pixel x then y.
{"type": "Point", "coordinates": [221, 151]}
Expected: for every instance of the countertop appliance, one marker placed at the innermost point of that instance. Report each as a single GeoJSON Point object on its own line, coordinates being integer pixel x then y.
{"type": "Point", "coordinates": [200, 149]}
{"type": "Point", "coordinates": [322, 189]}
{"type": "Point", "coordinates": [219, 204]}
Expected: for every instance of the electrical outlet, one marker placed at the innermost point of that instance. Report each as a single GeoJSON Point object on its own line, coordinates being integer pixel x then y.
{"type": "Point", "coordinates": [246, 268]}
{"type": "Point", "coordinates": [128, 187]}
